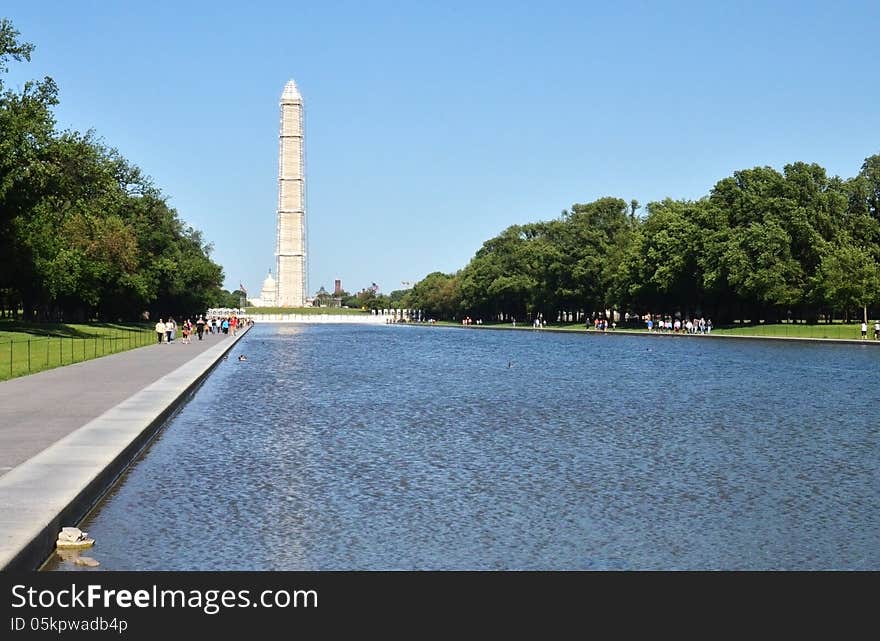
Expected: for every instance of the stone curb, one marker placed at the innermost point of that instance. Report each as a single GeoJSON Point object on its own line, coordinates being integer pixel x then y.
{"type": "Point", "coordinates": [629, 332]}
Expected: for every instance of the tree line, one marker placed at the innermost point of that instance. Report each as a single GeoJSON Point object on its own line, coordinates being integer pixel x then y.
{"type": "Point", "coordinates": [763, 245]}
{"type": "Point", "coordinates": [83, 233]}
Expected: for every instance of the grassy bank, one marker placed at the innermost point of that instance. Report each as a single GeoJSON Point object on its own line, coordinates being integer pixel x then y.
{"type": "Point", "coordinates": [800, 330]}
{"type": "Point", "coordinates": [26, 348]}
{"type": "Point", "coordinates": [833, 331]}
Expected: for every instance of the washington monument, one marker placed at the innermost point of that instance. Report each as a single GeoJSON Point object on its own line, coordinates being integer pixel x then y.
{"type": "Point", "coordinates": [290, 243]}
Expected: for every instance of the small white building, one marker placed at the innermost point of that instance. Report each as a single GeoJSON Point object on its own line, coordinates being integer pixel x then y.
{"type": "Point", "coordinates": [268, 294]}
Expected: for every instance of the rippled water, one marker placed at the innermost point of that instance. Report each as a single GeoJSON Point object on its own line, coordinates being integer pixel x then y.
{"type": "Point", "coordinates": [357, 447]}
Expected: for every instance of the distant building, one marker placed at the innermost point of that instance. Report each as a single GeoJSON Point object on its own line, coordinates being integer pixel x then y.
{"type": "Point", "coordinates": [338, 289]}
{"type": "Point", "coordinates": [290, 248]}
{"type": "Point", "coordinates": [323, 299]}
{"type": "Point", "coordinates": [267, 294]}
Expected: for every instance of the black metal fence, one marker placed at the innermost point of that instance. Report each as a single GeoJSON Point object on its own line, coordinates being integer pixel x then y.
{"type": "Point", "coordinates": [20, 356]}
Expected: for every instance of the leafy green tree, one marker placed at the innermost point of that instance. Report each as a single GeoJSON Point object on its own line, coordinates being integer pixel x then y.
{"type": "Point", "coordinates": [369, 299]}
{"type": "Point", "coordinates": [764, 244]}
{"type": "Point", "coordinates": [26, 128]}
{"type": "Point", "coordinates": [437, 294]}
{"type": "Point", "coordinates": [849, 278]}
{"type": "Point", "coordinates": [870, 179]}
{"type": "Point", "coordinates": [600, 235]}
{"type": "Point", "coordinates": [498, 282]}
{"type": "Point", "coordinates": [761, 268]}
{"type": "Point", "coordinates": [398, 298]}
{"type": "Point", "coordinates": [82, 233]}
{"type": "Point", "coordinates": [223, 298]}
{"type": "Point", "coordinates": [663, 273]}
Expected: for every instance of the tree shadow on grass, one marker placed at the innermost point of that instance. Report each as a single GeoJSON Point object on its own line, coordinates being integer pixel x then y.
{"type": "Point", "coordinates": [61, 330]}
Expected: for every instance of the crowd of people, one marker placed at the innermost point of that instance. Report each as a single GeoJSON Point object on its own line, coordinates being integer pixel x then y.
{"type": "Point", "coordinates": [876, 330]}
{"type": "Point", "coordinates": [661, 325]}
{"type": "Point", "coordinates": [601, 324]}
{"type": "Point", "coordinates": [166, 330]}
{"type": "Point", "coordinates": [696, 326]}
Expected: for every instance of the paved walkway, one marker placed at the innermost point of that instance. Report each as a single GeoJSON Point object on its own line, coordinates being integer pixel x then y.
{"type": "Point", "coordinates": [38, 410]}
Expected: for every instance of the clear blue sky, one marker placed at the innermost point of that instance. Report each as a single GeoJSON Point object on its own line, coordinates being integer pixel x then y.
{"type": "Point", "coordinates": [432, 126]}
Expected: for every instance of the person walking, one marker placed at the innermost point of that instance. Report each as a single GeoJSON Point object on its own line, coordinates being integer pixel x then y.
{"type": "Point", "coordinates": [864, 330]}
{"type": "Point", "coordinates": [200, 326]}
{"type": "Point", "coordinates": [160, 331]}
{"type": "Point", "coordinates": [169, 327]}
{"type": "Point", "coordinates": [877, 330]}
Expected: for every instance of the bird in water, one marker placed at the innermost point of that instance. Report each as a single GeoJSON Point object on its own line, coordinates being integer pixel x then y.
{"type": "Point", "coordinates": [242, 357]}
{"type": "Point", "coordinates": [509, 364]}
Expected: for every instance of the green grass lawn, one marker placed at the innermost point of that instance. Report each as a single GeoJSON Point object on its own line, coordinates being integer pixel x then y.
{"type": "Point", "coordinates": [799, 330]}
{"type": "Point", "coordinates": [836, 330]}
{"type": "Point", "coordinates": [26, 348]}
{"type": "Point", "coordinates": [336, 311]}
